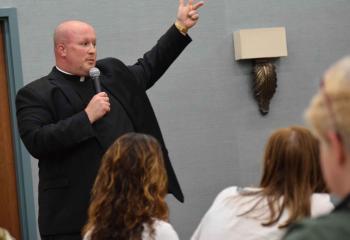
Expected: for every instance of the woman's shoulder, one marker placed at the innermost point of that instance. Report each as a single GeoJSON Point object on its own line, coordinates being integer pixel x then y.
{"type": "Point", "coordinates": [321, 204]}
{"type": "Point", "coordinates": [234, 191]}
{"type": "Point", "coordinates": [229, 192]}
{"type": "Point", "coordinates": [87, 235]}
{"type": "Point", "coordinates": [163, 231]}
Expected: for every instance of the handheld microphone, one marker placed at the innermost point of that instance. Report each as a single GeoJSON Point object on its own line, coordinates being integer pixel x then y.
{"type": "Point", "coordinates": [95, 75]}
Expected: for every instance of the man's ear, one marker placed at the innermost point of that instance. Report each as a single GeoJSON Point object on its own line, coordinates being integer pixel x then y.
{"type": "Point", "coordinates": [338, 148]}
{"type": "Point", "coordinates": [61, 49]}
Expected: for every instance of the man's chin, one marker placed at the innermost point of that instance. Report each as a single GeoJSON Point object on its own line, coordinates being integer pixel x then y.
{"type": "Point", "coordinates": [91, 63]}
{"type": "Point", "coordinates": [88, 67]}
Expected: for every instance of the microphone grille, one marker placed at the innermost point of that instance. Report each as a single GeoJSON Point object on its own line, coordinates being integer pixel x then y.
{"type": "Point", "coordinates": [94, 72]}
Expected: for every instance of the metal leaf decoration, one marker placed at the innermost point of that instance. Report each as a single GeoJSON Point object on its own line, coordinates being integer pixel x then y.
{"type": "Point", "coordinates": [265, 84]}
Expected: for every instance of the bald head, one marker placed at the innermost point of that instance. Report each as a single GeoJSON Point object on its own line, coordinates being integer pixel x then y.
{"type": "Point", "coordinates": [65, 30]}
{"type": "Point", "coordinates": [75, 47]}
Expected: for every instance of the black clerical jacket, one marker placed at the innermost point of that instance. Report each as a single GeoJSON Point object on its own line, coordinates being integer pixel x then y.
{"type": "Point", "coordinates": [55, 129]}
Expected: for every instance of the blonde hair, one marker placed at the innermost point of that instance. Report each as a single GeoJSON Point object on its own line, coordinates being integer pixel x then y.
{"type": "Point", "coordinates": [329, 109]}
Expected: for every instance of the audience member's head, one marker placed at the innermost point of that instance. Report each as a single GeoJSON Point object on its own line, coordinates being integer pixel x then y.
{"type": "Point", "coordinates": [291, 171]}
{"type": "Point", "coordinates": [291, 162]}
{"type": "Point", "coordinates": [129, 190]}
{"type": "Point", "coordinates": [329, 118]}
{"type": "Point", "coordinates": [291, 188]}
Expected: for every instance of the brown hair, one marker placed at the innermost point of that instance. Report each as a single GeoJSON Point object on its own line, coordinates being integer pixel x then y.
{"type": "Point", "coordinates": [129, 190]}
{"type": "Point", "coordinates": [291, 174]}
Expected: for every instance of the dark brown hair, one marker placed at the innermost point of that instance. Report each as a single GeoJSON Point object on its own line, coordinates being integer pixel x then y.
{"type": "Point", "coordinates": [291, 172]}
{"type": "Point", "coordinates": [129, 190]}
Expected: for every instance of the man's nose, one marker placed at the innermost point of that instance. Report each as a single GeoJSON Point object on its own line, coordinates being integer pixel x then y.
{"type": "Point", "coordinates": [92, 48]}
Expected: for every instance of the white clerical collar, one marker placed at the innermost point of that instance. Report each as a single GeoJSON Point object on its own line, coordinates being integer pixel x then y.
{"type": "Point", "coordinates": [82, 78]}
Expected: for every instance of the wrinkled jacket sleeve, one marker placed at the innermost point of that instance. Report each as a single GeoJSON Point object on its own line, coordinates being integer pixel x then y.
{"type": "Point", "coordinates": [40, 130]}
{"type": "Point", "coordinates": [151, 67]}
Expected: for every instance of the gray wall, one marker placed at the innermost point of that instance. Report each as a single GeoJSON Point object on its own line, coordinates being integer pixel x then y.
{"type": "Point", "coordinates": [204, 104]}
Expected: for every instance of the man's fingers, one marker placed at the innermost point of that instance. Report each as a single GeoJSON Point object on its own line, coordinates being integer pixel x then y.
{"type": "Point", "coordinates": [195, 16]}
{"type": "Point", "coordinates": [191, 13]}
{"type": "Point", "coordinates": [197, 5]}
{"type": "Point", "coordinates": [102, 94]}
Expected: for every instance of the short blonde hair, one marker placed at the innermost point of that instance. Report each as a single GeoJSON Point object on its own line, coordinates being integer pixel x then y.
{"type": "Point", "coordinates": [329, 109]}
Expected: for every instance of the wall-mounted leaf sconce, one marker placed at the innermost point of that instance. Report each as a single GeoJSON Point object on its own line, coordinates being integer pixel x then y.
{"type": "Point", "coordinates": [262, 45]}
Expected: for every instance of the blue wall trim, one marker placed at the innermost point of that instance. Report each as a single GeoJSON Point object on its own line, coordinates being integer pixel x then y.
{"type": "Point", "coordinates": [23, 162]}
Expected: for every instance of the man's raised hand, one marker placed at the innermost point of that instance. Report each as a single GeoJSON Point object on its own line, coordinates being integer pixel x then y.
{"type": "Point", "coordinates": [187, 14]}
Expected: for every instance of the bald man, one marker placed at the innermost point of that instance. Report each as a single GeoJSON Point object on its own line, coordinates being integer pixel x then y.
{"type": "Point", "coordinates": [67, 126]}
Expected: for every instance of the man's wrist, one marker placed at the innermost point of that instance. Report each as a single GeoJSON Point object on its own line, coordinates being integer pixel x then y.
{"type": "Point", "coordinates": [88, 116]}
{"type": "Point", "coordinates": [182, 28]}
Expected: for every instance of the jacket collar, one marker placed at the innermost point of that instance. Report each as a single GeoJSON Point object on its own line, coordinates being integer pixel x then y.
{"type": "Point", "coordinates": [344, 204]}
{"type": "Point", "coordinates": [56, 78]}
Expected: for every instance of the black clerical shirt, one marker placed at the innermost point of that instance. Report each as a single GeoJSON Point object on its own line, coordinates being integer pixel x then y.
{"type": "Point", "coordinates": [112, 125]}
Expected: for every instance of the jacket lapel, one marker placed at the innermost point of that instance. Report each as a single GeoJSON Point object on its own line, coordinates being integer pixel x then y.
{"type": "Point", "coordinates": [70, 94]}
{"type": "Point", "coordinates": [121, 94]}
{"type": "Point", "coordinates": [72, 97]}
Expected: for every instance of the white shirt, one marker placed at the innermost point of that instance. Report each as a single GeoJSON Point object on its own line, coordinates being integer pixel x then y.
{"type": "Point", "coordinates": [162, 231]}
{"type": "Point", "coordinates": [82, 78]}
{"type": "Point", "coordinates": [222, 220]}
